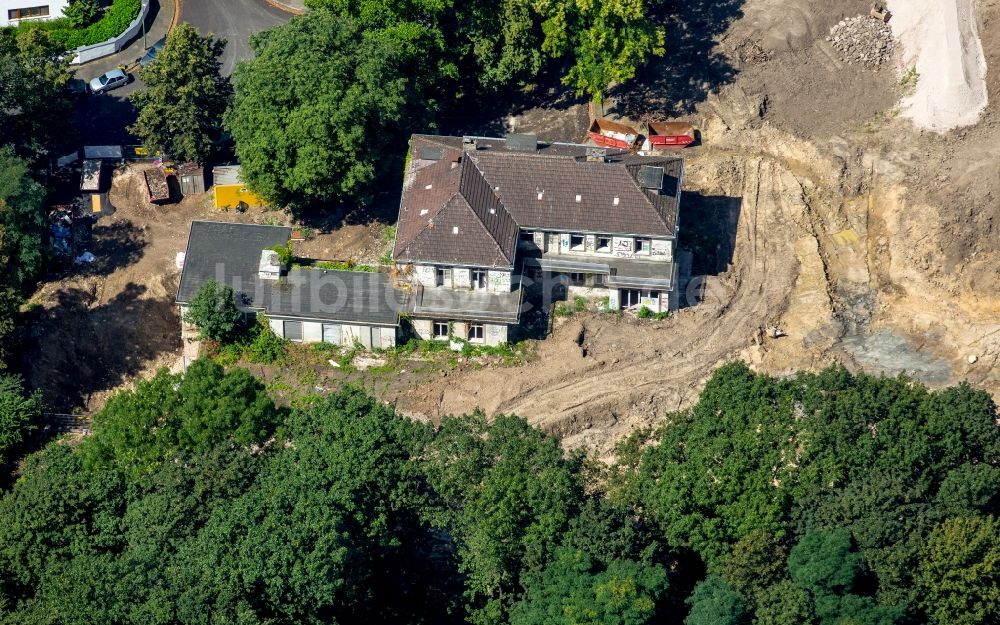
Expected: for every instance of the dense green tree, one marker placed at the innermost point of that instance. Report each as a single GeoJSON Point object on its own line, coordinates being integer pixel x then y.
{"type": "Point", "coordinates": [213, 311]}
{"type": "Point", "coordinates": [34, 104]}
{"type": "Point", "coordinates": [506, 493]}
{"type": "Point", "coordinates": [81, 12]}
{"type": "Point", "coordinates": [22, 223]}
{"type": "Point", "coordinates": [20, 413]}
{"type": "Point", "coordinates": [606, 40]}
{"type": "Point", "coordinates": [56, 512]}
{"type": "Point", "coordinates": [324, 106]}
{"type": "Point", "coordinates": [722, 470]}
{"type": "Point", "coordinates": [828, 567]}
{"type": "Point", "coordinates": [180, 110]}
{"type": "Point", "coordinates": [10, 307]}
{"type": "Point", "coordinates": [196, 500]}
{"type": "Point", "coordinates": [959, 576]}
{"type": "Point", "coordinates": [825, 562]}
{"type": "Point", "coordinates": [970, 488]}
{"type": "Point", "coordinates": [755, 562]}
{"type": "Point", "coordinates": [170, 415]}
{"type": "Point", "coordinates": [575, 589]}
{"type": "Point", "coordinates": [714, 602]}
{"type": "Point", "coordinates": [783, 603]}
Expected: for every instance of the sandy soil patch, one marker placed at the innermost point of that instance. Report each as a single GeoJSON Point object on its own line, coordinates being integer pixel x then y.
{"type": "Point", "coordinates": [940, 39]}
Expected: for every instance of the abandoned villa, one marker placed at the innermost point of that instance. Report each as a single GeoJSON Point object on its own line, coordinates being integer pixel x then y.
{"type": "Point", "coordinates": [488, 229]}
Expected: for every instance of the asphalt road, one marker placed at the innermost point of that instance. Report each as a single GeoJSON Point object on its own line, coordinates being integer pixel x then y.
{"type": "Point", "coordinates": [233, 20]}
{"type": "Point", "coordinates": [103, 119]}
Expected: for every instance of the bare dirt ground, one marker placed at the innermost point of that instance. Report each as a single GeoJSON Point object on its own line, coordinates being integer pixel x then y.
{"type": "Point", "coordinates": [808, 206]}
{"type": "Point", "coordinates": [100, 326]}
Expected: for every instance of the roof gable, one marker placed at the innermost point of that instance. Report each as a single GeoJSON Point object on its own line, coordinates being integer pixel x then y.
{"type": "Point", "coordinates": [450, 214]}
{"type": "Point", "coordinates": [557, 186]}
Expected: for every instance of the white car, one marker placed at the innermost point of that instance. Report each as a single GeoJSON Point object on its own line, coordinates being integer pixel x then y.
{"type": "Point", "coordinates": [108, 81]}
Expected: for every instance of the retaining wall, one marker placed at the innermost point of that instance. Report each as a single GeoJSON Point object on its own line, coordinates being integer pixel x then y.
{"type": "Point", "coordinates": [85, 54]}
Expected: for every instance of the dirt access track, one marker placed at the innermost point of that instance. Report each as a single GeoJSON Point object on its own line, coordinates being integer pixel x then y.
{"type": "Point", "coordinates": [809, 206]}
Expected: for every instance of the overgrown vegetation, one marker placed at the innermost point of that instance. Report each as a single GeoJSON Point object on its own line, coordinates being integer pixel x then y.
{"type": "Point", "coordinates": [818, 499]}
{"type": "Point", "coordinates": [368, 74]}
{"type": "Point", "coordinates": [910, 77]}
{"type": "Point", "coordinates": [67, 34]}
{"type": "Point", "coordinates": [258, 345]}
{"type": "Point", "coordinates": [645, 312]}
{"type": "Point", "coordinates": [213, 311]}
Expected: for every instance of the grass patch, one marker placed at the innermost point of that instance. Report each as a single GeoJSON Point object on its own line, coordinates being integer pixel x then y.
{"type": "Point", "coordinates": [343, 265]}
{"type": "Point", "coordinates": [909, 78]}
{"type": "Point", "coordinates": [568, 309]}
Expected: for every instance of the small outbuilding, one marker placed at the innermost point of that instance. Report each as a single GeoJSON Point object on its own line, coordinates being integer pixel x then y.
{"type": "Point", "coordinates": [302, 303]}
{"type": "Point", "coordinates": [229, 190]}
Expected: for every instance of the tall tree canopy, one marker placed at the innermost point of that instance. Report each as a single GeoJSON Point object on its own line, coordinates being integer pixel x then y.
{"type": "Point", "coordinates": [198, 500]}
{"type": "Point", "coordinates": [325, 106]}
{"type": "Point", "coordinates": [180, 110]}
{"type": "Point", "coordinates": [20, 413]}
{"type": "Point", "coordinates": [34, 104]}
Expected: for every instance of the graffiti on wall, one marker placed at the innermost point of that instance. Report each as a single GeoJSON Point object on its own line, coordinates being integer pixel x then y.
{"type": "Point", "coordinates": [660, 248]}
{"type": "Point", "coordinates": [623, 247]}
{"type": "Point", "coordinates": [499, 281]}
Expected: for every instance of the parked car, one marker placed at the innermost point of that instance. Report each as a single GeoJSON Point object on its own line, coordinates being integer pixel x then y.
{"type": "Point", "coordinates": [108, 81]}
{"type": "Point", "coordinates": [77, 87]}
{"type": "Point", "coordinates": [152, 52]}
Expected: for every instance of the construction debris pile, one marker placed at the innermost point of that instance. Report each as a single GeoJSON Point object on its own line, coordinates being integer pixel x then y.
{"type": "Point", "coordinates": [863, 40]}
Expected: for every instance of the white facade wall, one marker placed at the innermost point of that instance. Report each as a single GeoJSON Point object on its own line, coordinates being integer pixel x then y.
{"type": "Point", "coordinates": [497, 281]}
{"type": "Point", "coordinates": [461, 278]}
{"type": "Point", "coordinates": [54, 9]}
{"type": "Point", "coordinates": [277, 326]}
{"type": "Point", "coordinates": [368, 336]}
{"type": "Point", "coordinates": [621, 246]}
{"type": "Point", "coordinates": [425, 275]}
{"type": "Point", "coordinates": [312, 332]}
{"type": "Point", "coordinates": [493, 333]}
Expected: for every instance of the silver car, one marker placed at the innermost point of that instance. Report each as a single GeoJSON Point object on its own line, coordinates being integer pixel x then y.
{"type": "Point", "coordinates": [108, 81]}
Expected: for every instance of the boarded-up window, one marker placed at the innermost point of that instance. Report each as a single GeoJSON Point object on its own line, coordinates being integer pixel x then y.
{"type": "Point", "coordinates": [293, 330]}
{"type": "Point", "coordinates": [331, 333]}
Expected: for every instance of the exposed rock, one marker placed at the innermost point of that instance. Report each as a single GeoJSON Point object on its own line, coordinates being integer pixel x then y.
{"type": "Point", "coordinates": [863, 40]}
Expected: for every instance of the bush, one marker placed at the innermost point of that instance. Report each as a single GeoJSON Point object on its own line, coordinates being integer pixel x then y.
{"type": "Point", "coordinates": [646, 313]}
{"type": "Point", "coordinates": [20, 413]}
{"type": "Point", "coordinates": [213, 311]}
{"type": "Point", "coordinates": [285, 254]}
{"type": "Point", "coordinates": [113, 22]}
{"type": "Point", "coordinates": [265, 347]}
{"type": "Point", "coordinates": [81, 12]}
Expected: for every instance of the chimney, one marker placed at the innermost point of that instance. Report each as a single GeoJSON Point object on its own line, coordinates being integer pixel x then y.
{"type": "Point", "coordinates": [596, 155]}
{"type": "Point", "coordinates": [270, 265]}
{"type": "Point", "coordinates": [469, 144]}
{"type": "Point", "coordinates": [521, 142]}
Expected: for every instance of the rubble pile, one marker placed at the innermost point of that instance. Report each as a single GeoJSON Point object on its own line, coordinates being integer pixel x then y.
{"type": "Point", "coordinates": [863, 41]}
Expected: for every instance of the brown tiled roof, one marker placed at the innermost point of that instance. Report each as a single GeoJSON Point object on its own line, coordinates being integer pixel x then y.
{"type": "Point", "coordinates": [498, 191]}
{"type": "Point", "coordinates": [559, 180]}
{"type": "Point", "coordinates": [450, 214]}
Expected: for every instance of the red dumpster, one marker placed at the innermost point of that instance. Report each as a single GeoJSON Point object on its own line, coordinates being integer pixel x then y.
{"type": "Point", "coordinates": [669, 134]}
{"type": "Point", "coordinates": [607, 133]}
